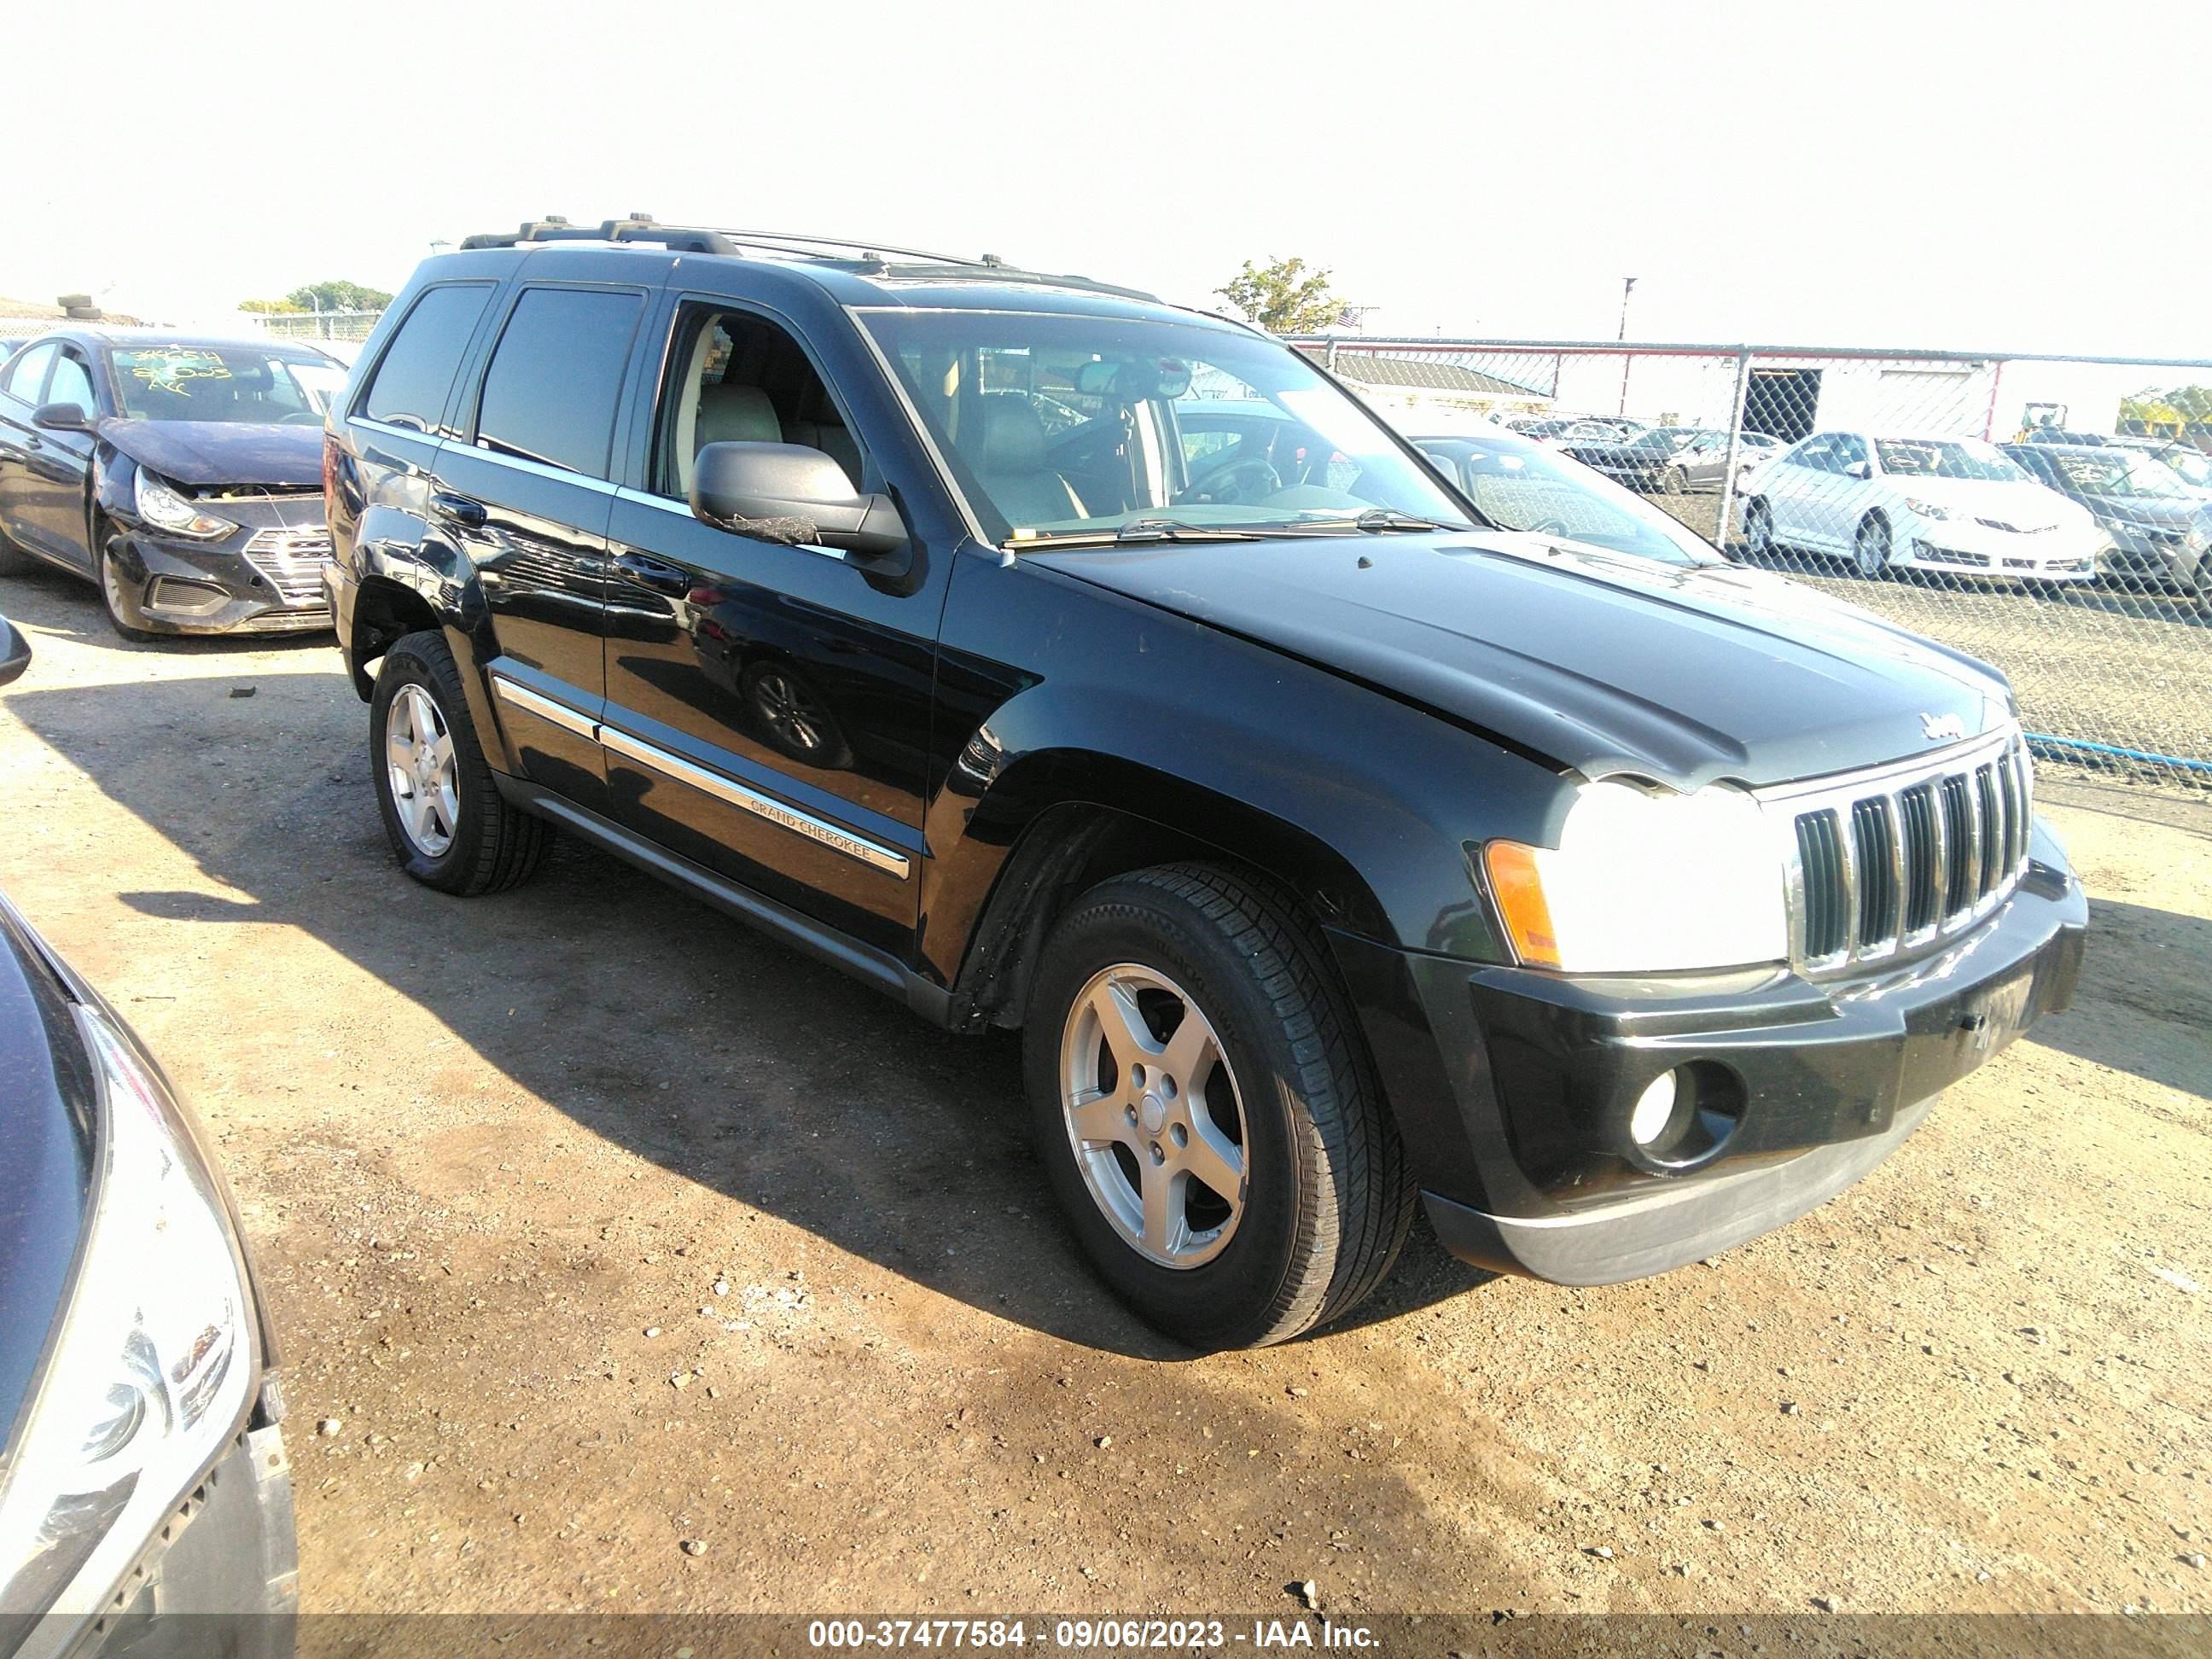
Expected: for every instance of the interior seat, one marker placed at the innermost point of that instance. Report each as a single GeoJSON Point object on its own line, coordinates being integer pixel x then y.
{"type": "Point", "coordinates": [1009, 465]}
{"type": "Point", "coordinates": [832, 439]}
{"type": "Point", "coordinates": [735, 414]}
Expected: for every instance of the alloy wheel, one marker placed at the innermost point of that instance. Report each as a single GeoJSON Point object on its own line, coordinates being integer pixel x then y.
{"type": "Point", "coordinates": [418, 758]}
{"type": "Point", "coordinates": [1870, 551]}
{"type": "Point", "coordinates": [1154, 1115]}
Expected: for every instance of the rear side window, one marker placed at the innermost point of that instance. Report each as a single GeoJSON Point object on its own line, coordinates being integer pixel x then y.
{"type": "Point", "coordinates": [417, 371]}
{"type": "Point", "coordinates": [549, 393]}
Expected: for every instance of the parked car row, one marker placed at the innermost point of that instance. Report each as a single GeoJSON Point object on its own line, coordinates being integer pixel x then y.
{"type": "Point", "coordinates": [2040, 511]}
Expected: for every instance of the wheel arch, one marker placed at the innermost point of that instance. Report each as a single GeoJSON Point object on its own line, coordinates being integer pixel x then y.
{"type": "Point", "coordinates": [1053, 826]}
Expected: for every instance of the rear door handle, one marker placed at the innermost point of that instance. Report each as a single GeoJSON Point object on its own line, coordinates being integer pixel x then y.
{"type": "Point", "coordinates": [655, 574]}
{"type": "Point", "coordinates": [464, 510]}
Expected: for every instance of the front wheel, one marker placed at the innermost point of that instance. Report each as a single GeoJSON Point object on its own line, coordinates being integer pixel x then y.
{"type": "Point", "coordinates": [1870, 549]}
{"type": "Point", "coordinates": [1758, 528]}
{"type": "Point", "coordinates": [115, 596]}
{"type": "Point", "coordinates": [1210, 1123]}
{"type": "Point", "coordinates": [447, 822]}
{"type": "Point", "coordinates": [1675, 482]}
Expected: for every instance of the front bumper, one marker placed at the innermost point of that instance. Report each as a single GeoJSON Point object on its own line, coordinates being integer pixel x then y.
{"type": "Point", "coordinates": [1512, 1087]}
{"type": "Point", "coordinates": [265, 579]}
{"type": "Point", "coordinates": [1970, 548]}
{"type": "Point", "coordinates": [222, 1576]}
{"type": "Point", "coordinates": [2135, 552]}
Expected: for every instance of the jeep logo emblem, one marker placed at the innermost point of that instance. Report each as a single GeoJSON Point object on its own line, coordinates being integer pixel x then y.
{"type": "Point", "coordinates": [1942, 728]}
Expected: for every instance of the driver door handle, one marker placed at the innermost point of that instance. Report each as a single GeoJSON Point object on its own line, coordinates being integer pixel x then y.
{"type": "Point", "coordinates": [464, 510]}
{"type": "Point", "coordinates": [656, 574]}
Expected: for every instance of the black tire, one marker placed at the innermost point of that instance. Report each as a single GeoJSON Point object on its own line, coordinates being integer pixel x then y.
{"type": "Point", "coordinates": [1870, 548]}
{"type": "Point", "coordinates": [121, 616]}
{"type": "Point", "coordinates": [1328, 1193]}
{"type": "Point", "coordinates": [1758, 529]}
{"type": "Point", "coordinates": [493, 844]}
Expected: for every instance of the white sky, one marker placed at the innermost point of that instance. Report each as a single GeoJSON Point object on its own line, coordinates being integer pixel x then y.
{"type": "Point", "coordinates": [2015, 178]}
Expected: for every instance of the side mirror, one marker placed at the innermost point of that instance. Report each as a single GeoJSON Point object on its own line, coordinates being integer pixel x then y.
{"type": "Point", "coordinates": [14, 652]}
{"type": "Point", "coordinates": [60, 417]}
{"type": "Point", "coordinates": [790, 493]}
{"type": "Point", "coordinates": [1859, 469]}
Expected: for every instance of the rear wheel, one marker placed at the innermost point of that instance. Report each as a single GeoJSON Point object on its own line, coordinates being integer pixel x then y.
{"type": "Point", "coordinates": [1870, 548]}
{"type": "Point", "coordinates": [1209, 1122]}
{"type": "Point", "coordinates": [13, 561]}
{"type": "Point", "coordinates": [1674, 481]}
{"type": "Point", "coordinates": [447, 822]}
{"type": "Point", "coordinates": [1758, 528]}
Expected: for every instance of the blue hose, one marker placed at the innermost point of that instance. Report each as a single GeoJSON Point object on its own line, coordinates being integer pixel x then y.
{"type": "Point", "coordinates": [2040, 740]}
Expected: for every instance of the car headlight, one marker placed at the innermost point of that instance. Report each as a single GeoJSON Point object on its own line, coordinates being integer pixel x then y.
{"type": "Point", "coordinates": [154, 1365]}
{"type": "Point", "coordinates": [164, 509]}
{"type": "Point", "coordinates": [1927, 509]}
{"type": "Point", "coordinates": [1645, 881]}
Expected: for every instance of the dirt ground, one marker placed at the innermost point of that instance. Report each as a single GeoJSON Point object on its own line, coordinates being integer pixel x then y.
{"type": "Point", "coordinates": [598, 1224]}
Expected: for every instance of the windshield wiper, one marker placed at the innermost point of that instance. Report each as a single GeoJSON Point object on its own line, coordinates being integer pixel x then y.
{"type": "Point", "coordinates": [1139, 530]}
{"type": "Point", "coordinates": [1376, 520]}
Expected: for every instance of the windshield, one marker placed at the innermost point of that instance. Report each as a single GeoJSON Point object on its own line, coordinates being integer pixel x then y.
{"type": "Point", "coordinates": [243, 384]}
{"type": "Point", "coordinates": [1947, 458]}
{"type": "Point", "coordinates": [1520, 485]}
{"type": "Point", "coordinates": [1071, 425]}
{"type": "Point", "coordinates": [2191, 465]}
{"type": "Point", "coordinates": [2122, 472]}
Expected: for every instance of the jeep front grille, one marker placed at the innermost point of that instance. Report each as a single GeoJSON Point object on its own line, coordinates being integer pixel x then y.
{"type": "Point", "coordinates": [1882, 863]}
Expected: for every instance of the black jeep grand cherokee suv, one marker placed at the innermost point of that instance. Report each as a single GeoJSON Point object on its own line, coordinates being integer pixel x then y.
{"type": "Point", "coordinates": [1327, 845]}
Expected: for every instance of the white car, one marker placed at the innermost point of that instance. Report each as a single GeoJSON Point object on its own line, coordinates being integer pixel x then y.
{"type": "Point", "coordinates": [1925, 503]}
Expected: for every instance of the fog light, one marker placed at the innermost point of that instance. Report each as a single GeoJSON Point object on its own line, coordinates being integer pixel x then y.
{"type": "Point", "coordinates": [1654, 1111]}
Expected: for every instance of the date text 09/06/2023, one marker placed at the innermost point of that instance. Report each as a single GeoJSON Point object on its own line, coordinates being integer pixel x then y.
{"type": "Point", "coordinates": [1083, 1635]}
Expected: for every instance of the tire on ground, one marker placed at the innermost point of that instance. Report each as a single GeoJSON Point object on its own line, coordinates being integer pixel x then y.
{"type": "Point", "coordinates": [496, 845]}
{"type": "Point", "coordinates": [1329, 1191]}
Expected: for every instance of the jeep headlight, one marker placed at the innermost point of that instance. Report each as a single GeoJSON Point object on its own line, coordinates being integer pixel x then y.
{"type": "Point", "coordinates": [1645, 881]}
{"type": "Point", "coordinates": [153, 1366]}
{"type": "Point", "coordinates": [164, 509]}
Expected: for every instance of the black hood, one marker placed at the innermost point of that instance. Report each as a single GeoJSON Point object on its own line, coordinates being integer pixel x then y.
{"type": "Point", "coordinates": [200, 453]}
{"type": "Point", "coordinates": [1599, 662]}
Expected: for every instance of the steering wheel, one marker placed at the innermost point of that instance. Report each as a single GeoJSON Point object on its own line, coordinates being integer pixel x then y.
{"type": "Point", "coordinates": [301, 417]}
{"type": "Point", "coordinates": [1239, 482]}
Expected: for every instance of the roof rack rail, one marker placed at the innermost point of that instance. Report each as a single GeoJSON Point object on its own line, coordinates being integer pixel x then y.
{"type": "Point", "coordinates": [638, 228]}
{"type": "Point", "coordinates": [681, 238]}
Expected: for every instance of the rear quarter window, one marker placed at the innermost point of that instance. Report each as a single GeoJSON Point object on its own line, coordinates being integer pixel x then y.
{"type": "Point", "coordinates": [550, 390]}
{"type": "Point", "coordinates": [411, 384]}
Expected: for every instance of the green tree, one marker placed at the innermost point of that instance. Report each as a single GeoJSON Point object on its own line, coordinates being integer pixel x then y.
{"type": "Point", "coordinates": [336, 296]}
{"type": "Point", "coordinates": [1284, 296]}
{"type": "Point", "coordinates": [2170, 410]}
{"type": "Point", "coordinates": [269, 307]}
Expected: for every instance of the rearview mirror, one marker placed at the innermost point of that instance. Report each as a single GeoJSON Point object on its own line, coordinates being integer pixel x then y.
{"type": "Point", "coordinates": [1135, 380]}
{"type": "Point", "coordinates": [1859, 469]}
{"type": "Point", "coordinates": [14, 652]}
{"type": "Point", "coordinates": [60, 417]}
{"type": "Point", "coordinates": [790, 493]}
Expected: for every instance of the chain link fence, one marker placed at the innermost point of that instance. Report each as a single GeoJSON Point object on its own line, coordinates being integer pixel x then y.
{"type": "Point", "coordinates": [351, 327]}
{"type": "Point", "coordinates": [2052, 516]}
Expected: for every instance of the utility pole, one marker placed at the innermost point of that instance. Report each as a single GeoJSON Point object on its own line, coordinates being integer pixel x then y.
{"type": "Point", "coordinates": [1627, 288]}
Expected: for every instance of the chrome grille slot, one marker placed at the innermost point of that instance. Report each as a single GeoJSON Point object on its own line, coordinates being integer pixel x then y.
{"type": "Point", "coordinates": [1874, 833]}
{"type": "Point", "coordinates": [1826, 925]}
{"type": "Point", "coordinates": [1921, 841]}
{"type": "Point", "coordinates": [1887, 863]}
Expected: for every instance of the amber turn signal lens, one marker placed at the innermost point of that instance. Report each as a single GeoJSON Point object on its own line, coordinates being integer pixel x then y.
{"type": "Point", "coordinates": [1519, 891]}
